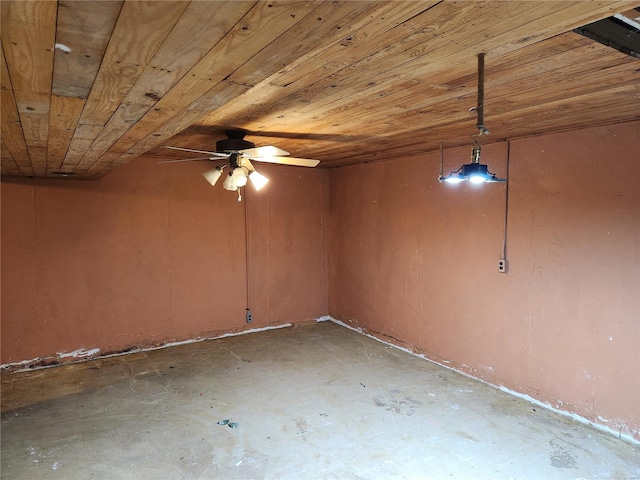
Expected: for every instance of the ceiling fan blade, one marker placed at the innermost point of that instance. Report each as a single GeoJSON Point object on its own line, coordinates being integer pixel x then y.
{"type": "Point", "coordinates": [189, 159]}
{"type": "Point", "coordinates": [266, 151]}
{"type": "Point", "coordinates": [213, 154]}
{"type": "Point", "coordinates": [298, 162]}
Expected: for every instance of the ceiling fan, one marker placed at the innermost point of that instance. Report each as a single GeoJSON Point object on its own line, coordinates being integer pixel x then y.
{"type": "Point", "coordinates": [239, 153]}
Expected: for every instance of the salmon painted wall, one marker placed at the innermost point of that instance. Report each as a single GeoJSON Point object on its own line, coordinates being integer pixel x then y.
{"type": "Point", "coordinates": [416, 262]}
{"type": "Point", "coordinates": [152, 253]}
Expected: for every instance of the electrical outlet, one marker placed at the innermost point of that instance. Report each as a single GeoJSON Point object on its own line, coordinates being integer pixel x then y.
{"type": "Point", "coordinates": [249, 316]}
{"type": "Point", "coordinates": [502, 265]}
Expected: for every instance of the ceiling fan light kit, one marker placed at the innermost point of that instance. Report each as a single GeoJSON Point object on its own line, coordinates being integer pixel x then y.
{"type": "Point", "coordinates": [239, 153]}
{"type": "Point", "coordinates": [474, 172]}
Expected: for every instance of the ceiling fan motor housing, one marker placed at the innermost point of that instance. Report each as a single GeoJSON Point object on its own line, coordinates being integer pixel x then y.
{"type": "Point", "coordinates": [235, 142]}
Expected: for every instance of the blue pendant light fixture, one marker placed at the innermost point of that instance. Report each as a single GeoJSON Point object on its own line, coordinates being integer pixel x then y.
{"type": "Point", "coordinates": [474, 172]}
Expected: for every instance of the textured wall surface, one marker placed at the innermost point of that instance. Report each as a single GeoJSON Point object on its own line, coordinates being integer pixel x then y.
{"type": "Point", "coordinates": [417, 261]}
{"type": "Point", "coordinates": [153, 253]}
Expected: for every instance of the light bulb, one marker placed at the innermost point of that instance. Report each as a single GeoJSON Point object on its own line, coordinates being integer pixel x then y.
{"type": "Point", "coordinates": [454, 180]}
{"type": "Point", "coordinates": [258, 180]}
{"type": "Point", "coordinates": [477, 179]}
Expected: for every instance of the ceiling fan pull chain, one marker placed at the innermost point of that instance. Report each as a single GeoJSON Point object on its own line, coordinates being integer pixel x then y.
{"type": "Point", "coordinates": [239, 195]}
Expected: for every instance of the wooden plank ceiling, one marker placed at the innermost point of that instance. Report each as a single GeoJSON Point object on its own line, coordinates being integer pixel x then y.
{"type": "Point", "coordinates": [342, 82]}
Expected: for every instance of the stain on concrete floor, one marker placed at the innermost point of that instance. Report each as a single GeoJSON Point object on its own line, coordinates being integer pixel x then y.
{"type": "Point", "coordinates": [312, 402]}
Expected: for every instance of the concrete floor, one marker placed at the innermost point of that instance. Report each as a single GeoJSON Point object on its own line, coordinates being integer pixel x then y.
{"type": "Point", "coordinates": [317, 401]}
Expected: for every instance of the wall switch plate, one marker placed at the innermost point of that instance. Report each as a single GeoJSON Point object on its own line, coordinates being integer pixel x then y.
{"type": "Point", "coordinates": [502, 265]}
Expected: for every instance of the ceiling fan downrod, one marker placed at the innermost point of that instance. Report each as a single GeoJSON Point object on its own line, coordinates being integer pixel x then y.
{"type": "Point", "coordinates": [480, 108]}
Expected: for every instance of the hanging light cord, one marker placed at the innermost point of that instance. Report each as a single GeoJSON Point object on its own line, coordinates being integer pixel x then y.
{"type": "Point", "coordinates": [246, 245]}
{"type": "Point", "coordinates": [506, 204]}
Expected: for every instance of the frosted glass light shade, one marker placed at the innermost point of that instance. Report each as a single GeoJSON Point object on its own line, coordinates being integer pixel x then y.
{"type": "Point", "coordinates": [228, 183]}
{"type": "Point", "coordinates": [238, 177]}
{"type": "Point", "coordinates": [212, 175]}
{"type": "Point", "coordinates": [258, 180]}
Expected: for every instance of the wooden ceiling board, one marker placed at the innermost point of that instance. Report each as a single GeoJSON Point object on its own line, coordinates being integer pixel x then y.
{"type": "Point", "coordinates": [352, 36]}
{"type": "Point", "coordinates": [323, 59]}
{"type": "Point", "coordinates": [28, 34]}
{"type": "Point", "coordinates": [214, 98]}
{"type": "Point", "coordinates": [354, 81]}
{"type": "Point", "coordinates": [349, 105]}
{"type": "Point", "coordinates": [140, 30]}
{"type": "Point", "coordinates": [551, 84]}
{"type": "Point", "coordinates": [618, 103]}
{"type": "Point", "coordinates": [205, 79]}
{"type": "Point", "coordinates": [195, 33]}
{"type": "Point", "coordinates": [285, 108]}
{"type": "Point", "coordinates": [14, 145]}
{"type": "Point", "coordinates": [518, 123]}
{"type": "Point", "coordinates": [432, 103]}
{"type": "Point", "coordinates": [344, 82]}
{"type": "Point", "coordinates": [314, 19]}
{"type": "Point", "coordinates": [104, 165]}
{"type": "Point", "coordinates": [200, 28]}
{"type": "Point", "coordinates": [318, 27]}
{"type": "Point", "coordinates": [9, 166]}
{"type": "Point", "coordinates": [83, 137]}
{"type": "Point", "coordinates": [82, 33]}
{"type": "Point", "coordinates": [335, 94]}
{"type": "Point", "coordinates": [565, 18]}
{"type": "Point", "coordinates": [63, 118]}
{"type": "Point", "coordinates": [336, 98]}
